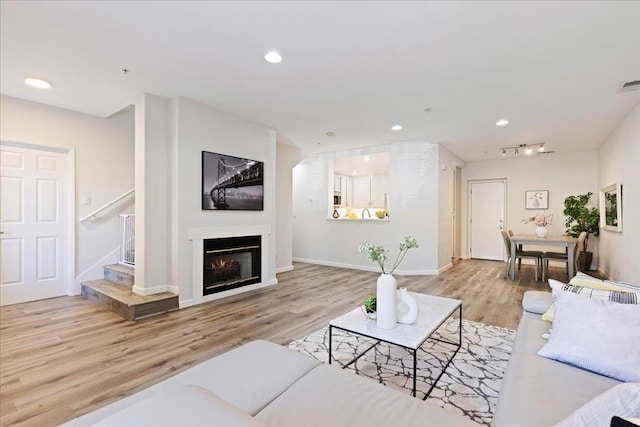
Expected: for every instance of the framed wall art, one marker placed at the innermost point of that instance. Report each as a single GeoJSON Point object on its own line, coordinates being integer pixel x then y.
{"type": "Point", "coordinates": [611, 208]}
{"type": "Point", "coordinates": [232, 183]}
{"type": "Point", "coordinates": [536, 199]}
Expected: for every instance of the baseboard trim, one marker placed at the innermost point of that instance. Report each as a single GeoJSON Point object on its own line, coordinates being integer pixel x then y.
{"type": "Point", "coordinates": [367, 268]}
{"type": "Point", "coordinates": [284, 269]}
{"type": "Point", "coordinates": [445, 268]}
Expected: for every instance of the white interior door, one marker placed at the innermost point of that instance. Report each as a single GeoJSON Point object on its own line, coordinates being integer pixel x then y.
{"type": "Point", "coordinates": [34, 224]}
{"type": "Point", "coordinates": [486, 219]}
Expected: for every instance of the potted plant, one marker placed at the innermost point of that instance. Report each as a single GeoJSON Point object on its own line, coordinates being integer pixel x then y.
{"type": "Point", "coordinates": [581, 218]}
{"type": "Point", "coordinates": [369, 306]}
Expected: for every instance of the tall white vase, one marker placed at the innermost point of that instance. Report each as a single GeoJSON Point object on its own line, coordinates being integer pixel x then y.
{"type": "Point", "coordinates": [386, 302]}
{"type": "Point", "coordinates": [408, 309]}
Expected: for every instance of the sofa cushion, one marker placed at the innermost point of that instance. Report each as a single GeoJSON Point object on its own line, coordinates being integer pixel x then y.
{"type": "Point", "coordinates": [622, 400]}
{"type": "Point", "coordinates": [328, 396]}
{"type": "Point", "coordinates": [536, 301]}
{"type": "Point", "coordinates": [598, 335]}
{"type": "Point", "coordinates": [249, 376]}
{"type": "Point", "coordinates": [540, 392]}
{"type": "Point", "coordinates": [529, 333]}
{"type": "Point", "coordinates": [184, 406]}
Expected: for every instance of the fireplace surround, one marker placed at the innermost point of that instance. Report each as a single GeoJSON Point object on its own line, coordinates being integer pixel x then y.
{"type": "Point", "coordinates": [199, 235]}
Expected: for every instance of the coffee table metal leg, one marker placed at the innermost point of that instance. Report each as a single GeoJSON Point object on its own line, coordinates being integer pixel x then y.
{"type": "Point", "coordinates": [330, 331]}
{"type": "Point", "coordinates": [415, 366]}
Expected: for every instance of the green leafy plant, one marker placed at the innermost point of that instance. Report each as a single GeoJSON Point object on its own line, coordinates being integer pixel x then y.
{"type": "Point", "coordinates": [581, 218]}
{"type": "Point", "coordinates": [370, 304]}
{"type": "Point", "coordinates": [378, 254]}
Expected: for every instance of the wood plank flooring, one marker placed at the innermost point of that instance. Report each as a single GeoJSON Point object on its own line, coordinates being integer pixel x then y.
{"type": "Point", "coordinates": [63, 357]}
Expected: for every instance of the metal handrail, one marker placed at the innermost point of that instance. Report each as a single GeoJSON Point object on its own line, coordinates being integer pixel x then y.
{"type": "Point", "coordinates": [100, 209]}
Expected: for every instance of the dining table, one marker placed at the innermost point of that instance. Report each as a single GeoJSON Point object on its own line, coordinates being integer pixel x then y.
{"type": "Point", "coordinates": [549, 240]}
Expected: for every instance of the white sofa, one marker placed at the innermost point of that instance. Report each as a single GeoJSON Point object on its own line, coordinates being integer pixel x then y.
{"type": "Point", "coordinates": [265, 384]}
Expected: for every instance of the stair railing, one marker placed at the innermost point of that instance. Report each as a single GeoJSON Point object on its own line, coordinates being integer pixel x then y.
{"type": "Point", "coordinates": [93, 214]}
{"type": "Point", "coordinates": [127, 239]}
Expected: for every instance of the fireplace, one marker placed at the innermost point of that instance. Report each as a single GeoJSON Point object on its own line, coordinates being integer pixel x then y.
{"type": "Point", "coordinates": [230, 263]}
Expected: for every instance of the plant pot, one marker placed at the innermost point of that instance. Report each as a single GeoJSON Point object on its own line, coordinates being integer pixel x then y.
{"type": "Point", "coordinates": [584, 261]}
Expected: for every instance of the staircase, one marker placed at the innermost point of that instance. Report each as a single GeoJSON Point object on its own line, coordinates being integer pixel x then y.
{"type": "Point", "coordinates": [115, 292]}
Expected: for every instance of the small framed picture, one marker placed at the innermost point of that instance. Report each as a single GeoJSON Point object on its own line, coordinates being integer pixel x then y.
{"type": "Point", "coordinates": [536, 199]}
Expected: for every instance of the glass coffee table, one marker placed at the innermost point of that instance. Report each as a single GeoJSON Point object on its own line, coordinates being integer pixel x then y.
{"type": "Point", "coordinates": [434, 311]}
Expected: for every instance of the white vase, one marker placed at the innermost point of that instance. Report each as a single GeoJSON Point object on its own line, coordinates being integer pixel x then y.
{"type": "Point", "coordinates": [541, 231]}
{"type": "Point", "coordinates": [407, 307]}
{"type": "Point", "coordinates": [386, 301]}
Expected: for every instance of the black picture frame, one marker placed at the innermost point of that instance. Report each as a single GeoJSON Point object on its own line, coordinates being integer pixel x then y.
{"type": "Point", "coordinates": [231, 183]}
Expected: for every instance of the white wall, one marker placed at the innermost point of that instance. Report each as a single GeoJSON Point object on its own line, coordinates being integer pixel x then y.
{"type": "Point", "coordinates": [446, 185]}
{"type": "Point", "coordinates": [287, 157]}
{"type": "Point", "coordinates": [619, 162]}
{"type": "Point", "coordinates": [413, 210]}
{"type": "Point", "coordinates": [563, 174]}
{"type": "Point", "coordinates": [200, 128]}
{"type": "Point", "coordinates": [104, 168]}
{"type": "Point", "coordinates": [152, 144]}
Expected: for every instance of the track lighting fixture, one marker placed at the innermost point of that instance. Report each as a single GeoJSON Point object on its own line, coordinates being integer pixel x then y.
{"type": "Point", "coordinates": [527, 148]}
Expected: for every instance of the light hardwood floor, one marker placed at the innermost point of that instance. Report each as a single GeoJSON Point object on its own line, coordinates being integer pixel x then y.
{"type": "Point", "coordinates": [64, 357]}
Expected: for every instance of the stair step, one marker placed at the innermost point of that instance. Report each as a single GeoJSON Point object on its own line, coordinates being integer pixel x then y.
{"type": "Point", "coordinates": [123, 301]}
{"type": "Point", "coordinates": [120, 274]}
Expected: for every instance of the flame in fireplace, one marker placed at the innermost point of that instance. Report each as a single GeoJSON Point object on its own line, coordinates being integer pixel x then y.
{"type": "Point", "coordinates": [222, 263]}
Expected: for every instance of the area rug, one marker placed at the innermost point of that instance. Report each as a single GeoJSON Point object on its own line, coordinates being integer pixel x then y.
{"type": "Point", "coordinates": [470, 384]}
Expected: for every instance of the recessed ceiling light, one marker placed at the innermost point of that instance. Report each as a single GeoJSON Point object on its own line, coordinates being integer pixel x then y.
{"type": "Point", "coordinates": [396, 127]}
{"type": "Point", "coordinates": [273, 57]}
{"type": "Point", "coordinates": [502, 122]}
{"type": "Point", "coordinates": [367, 158]}
{"type": "Point", "coordinates": [330, 134]}
{"type": "Point", "coordinates": [39, 83]}
{"type": "Point", "coordinates": [528, 150]}
{"type": "Point", "coordinates": [541, 148]}
{"type": "Point", "coordinates": [354, 172]}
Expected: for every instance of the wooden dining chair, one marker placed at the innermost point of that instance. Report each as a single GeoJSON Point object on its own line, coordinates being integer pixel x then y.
{"type": "Point", "coordinates": [559, 256]}
{"type": "Point", "coordinates": [535, 255]}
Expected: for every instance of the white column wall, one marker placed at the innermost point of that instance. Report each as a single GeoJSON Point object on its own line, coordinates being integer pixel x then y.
{"type": "Point", "coordinates": [152, 136]}
{"type": "Point", "coordinates": [447, 164]}
{"type": "Point", "coordinates": [287, 157]}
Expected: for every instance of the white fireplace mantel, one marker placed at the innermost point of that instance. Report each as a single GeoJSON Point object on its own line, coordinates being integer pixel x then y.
{"type": "Point", "coordinates": [197, 235]}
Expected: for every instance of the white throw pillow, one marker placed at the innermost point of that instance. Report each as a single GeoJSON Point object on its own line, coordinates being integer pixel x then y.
{"type": "Point", "coordinates": [622, 400]}
{"type": "Point", "coordinates": [597, 335]}
{"type": "Point", "coordinates": [624, 296]}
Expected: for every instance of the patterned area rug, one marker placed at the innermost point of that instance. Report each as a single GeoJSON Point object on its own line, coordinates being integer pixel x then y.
{"type": "Point", "coordinates": [470, 384]}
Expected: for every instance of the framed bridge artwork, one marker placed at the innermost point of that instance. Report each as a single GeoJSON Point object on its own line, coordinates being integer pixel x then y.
{"type": "Point", "coordinates": [232, 183]}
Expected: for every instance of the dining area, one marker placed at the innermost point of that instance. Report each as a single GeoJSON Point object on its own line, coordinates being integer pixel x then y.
{"type": "Point", "coordinates": [568, 251]}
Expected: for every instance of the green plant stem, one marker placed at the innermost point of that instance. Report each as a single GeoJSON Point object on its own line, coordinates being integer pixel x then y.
{"type": "Point", "coordinates": [398, 260]}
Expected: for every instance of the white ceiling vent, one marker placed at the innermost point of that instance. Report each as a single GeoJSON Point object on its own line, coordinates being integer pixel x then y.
{"type": "Point", "coordinates": [633, 85]}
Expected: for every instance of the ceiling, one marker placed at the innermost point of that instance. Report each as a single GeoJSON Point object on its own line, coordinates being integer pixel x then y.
{"type": "Point", "coordinates": [553, 69]}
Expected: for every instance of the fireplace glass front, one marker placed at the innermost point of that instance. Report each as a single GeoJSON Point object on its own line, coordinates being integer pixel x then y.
{"type": "Point", "coordinates": [231, 263]}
